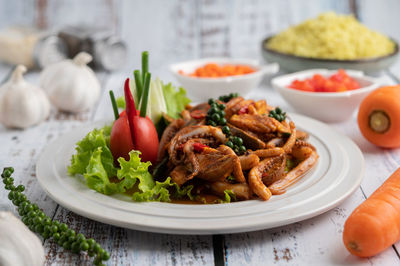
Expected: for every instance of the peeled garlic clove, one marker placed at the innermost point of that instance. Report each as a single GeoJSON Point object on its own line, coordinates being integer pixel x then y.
{"type": "Point", "coordinates": [22, 104]}
{"type": "Point", "coordinates": [70, 84]}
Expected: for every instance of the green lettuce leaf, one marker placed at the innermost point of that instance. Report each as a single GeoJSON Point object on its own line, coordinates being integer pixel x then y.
{"type": "Point", "coordinates": [96, 176]}
{"type": "Point", "coordinates": [176, 100]}
{"type": "Point", "coordinates": [132, 171]}
{"type": "Point", "coordinates": [97, 138]}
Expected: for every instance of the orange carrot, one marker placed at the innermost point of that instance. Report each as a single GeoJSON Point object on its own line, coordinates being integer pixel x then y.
{"type": "Point", "coordinates": [212, 70]}
{"type": "Point", "coordinates": [379, 117]}
{"type": "Point", "coordinates": [375, 224]}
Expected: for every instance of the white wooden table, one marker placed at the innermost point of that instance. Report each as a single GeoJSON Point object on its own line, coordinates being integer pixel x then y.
{"type": "Point", "coordinates": [316, 241]}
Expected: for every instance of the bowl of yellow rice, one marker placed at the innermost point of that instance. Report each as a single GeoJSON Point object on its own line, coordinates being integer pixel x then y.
{"type": "Point", "coordinates": [330, 41]}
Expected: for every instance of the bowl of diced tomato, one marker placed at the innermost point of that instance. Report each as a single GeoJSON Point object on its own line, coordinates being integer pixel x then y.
{"type": "Point", "coordinates": [327, 95]}
{"type": "Point", "coordinates": [211, 77]}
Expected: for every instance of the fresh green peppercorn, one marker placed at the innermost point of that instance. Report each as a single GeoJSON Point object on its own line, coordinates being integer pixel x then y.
{"type": "Point", "coordinates": [22, 197]}
{"type": "Point", "coordinates": [211, 101]}
{"type": "Point", "coordinates": [54, 228]}
{"type": "Point", "coordinates": [28, 208]}
{"type": "Point", "coordinates": [47, 228]}
{"type": "Point", "coordinates": [212, 123]}
{"type": "Point", "coordinates": [226, 130]}
{"type": "Point", "coordinates": [242, 149]}
{"type": "Point", "coordinates": [96, 247]}
{"type": "Point", "coordinates": [229, 144]}
{"type": "Point", "coordinates": [237, 141]}
{"type": "Point", "coordinates": [222, 121]}
{"type": "Point", "coordinates": [46, 221]}
{"type": "Point", "coordinates": [25, 220]}
{"type": "Point", "coordinates": [236, 150]}
{"type": "Point", "coordinates": [63, 227]}
{"type": "Point", "coordinates": [21, 211]}
{"type": "Point", "coordinates": [72, 238]}
{"type": "Point", "coordinates": [24, 204]}
{"type": "Point", "coordinates": [70, 233]}
{"type": "Point", "coordinates": [38, 220]}
{"type": "Point", "coordinates": [75, 247]}
{"type": "Point", "coordinates": [21, 188]}
{"type": "Point", "coordinates": [80, 237]}
{"type": "Point", "coordinates": [29, 220]}
{"type": "Point", "coordinates": [67, 245]}
{"type": "Point", "coordinates": [9, 187]}
{"type": "Point", "coordinates": [16, 202]}
{"type": "Point", "coordinates": [91, 253]}
{"type": "Point", "coordinates": [97, 261]}
{"type": "Point", "coordinates": [57, 223]}
{"type": "Point", "coordinates": [84, 246]}
{"type": "Point", "coordinates": [221, 106]}
{"type": "Point", "coordinates": [63, 238]}
{"type": "Point", "coordinates": [8, 181]}
{"type": "Point", "coordinates": [91, 242]}
{"type": "Point", "coordinates": [56, 236]}
{"type": "Point", "coordinates": [215, 117]}
{"type": "Point", "coordinates": [39, 228]}
{"type": "Point", "coordinates": [11, 195]}
{"type": "Point", "coordinates": [41, 214]}
{"type": "Point", "coordinates": [105, 255]}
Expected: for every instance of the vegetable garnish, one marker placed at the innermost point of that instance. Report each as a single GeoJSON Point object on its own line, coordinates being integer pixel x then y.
{"type": "Point", "coordinates": [216, 117]}
{"type": "Point", "coordinates": [141, 130]}
{"type": "Point", "coordinates": [375, 224]}
{"type": "Point", "coordinates": [278, 114]}
{"type": "Point", "coordinates": [38, 222]}
{"type": "Point", "coordinates": [227, 98]}
{"type": "Point", "coordinates": [337, 82]}
{"type": "Point", "coordinates": [114, 105]}
{"type": "Point", "coordinates": [379, 117]}
{"type": "Point", "coordinates": [212, 70]}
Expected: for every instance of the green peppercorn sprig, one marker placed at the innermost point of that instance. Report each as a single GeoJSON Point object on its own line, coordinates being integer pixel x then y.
{"type": "Point", "coordinates": [216, 114]}
{"type": "Point", "coordinates": [227, 98]}
{"type": "Point", "coordinates": [38, 222]}
{"type": "Point", "coordinates": [278, 114]}
{"type": "Point", "coordinates": [234, 142]}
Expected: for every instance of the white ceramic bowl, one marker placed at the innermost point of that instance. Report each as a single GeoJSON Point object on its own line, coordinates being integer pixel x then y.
{"type": "Point", "coordinates": [201, 89]}
{"type": "Point", "coordinates": [325, 106]}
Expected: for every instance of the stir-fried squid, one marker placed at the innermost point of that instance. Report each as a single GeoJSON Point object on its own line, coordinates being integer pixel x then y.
{"type": "Point", "coordinates": [277, 154]}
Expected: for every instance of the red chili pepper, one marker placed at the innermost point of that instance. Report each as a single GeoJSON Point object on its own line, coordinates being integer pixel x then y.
{"type": "Point", "coordinates": [199, 147]}
{"type": "Point", "coordinates": [130, 108]}
{"type": "Point", "coordinates": [198, 114]}
{"type": "Point", "coordinates": [244, 110]}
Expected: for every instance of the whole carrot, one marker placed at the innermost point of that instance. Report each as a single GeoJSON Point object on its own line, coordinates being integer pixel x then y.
{"type": "Point", "coordinates": [375, 224]}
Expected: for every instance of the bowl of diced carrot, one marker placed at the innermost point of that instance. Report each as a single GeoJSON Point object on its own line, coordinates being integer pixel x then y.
{"type": "Point", "coordinates": [211, 77]}
{"type": "Point", "coordinates": [327, 95]}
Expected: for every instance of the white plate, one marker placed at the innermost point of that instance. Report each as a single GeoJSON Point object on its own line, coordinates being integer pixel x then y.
{"type": "Point", "coordinates": [337, 174]}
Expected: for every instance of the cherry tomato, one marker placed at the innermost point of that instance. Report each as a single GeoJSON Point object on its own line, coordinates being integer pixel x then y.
{"type": "Point", "coordinates": [120, 140]}
{"type": "Point", "coordinates": [146, 138]}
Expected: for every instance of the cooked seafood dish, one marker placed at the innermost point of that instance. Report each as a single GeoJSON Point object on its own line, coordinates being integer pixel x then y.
{"type": "Point", "coordinates": [241, 146]}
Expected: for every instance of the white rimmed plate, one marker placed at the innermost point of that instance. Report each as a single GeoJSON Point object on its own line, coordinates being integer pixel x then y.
{"type": "Point", "coordinates": [327, 185]}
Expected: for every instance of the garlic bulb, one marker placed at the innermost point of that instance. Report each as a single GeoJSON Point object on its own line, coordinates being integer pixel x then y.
{"type": "Point", "coordinates": [21, 103]}
{"type": "Point", "coordinates": [70, 84]}
{"type": "Point", "coordinates": [18, 245]}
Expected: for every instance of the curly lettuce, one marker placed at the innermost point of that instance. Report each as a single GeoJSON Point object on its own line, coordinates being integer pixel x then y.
{"type": "Point", "coordinates": [176, 100]}
{"type": "Point", "coordinates": [94, 161]}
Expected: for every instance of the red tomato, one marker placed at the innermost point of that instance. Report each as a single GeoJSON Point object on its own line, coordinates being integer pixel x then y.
{"type": "Point", "coordinates": [120, 140]}
{"type": "Point", "coordinates": [337, 82]}
{"type": "Point", "coordinates": [146, 138]}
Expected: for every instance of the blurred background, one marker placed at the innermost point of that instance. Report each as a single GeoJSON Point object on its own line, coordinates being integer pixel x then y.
{"type": "Point", "coordinates": [177, 30]}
